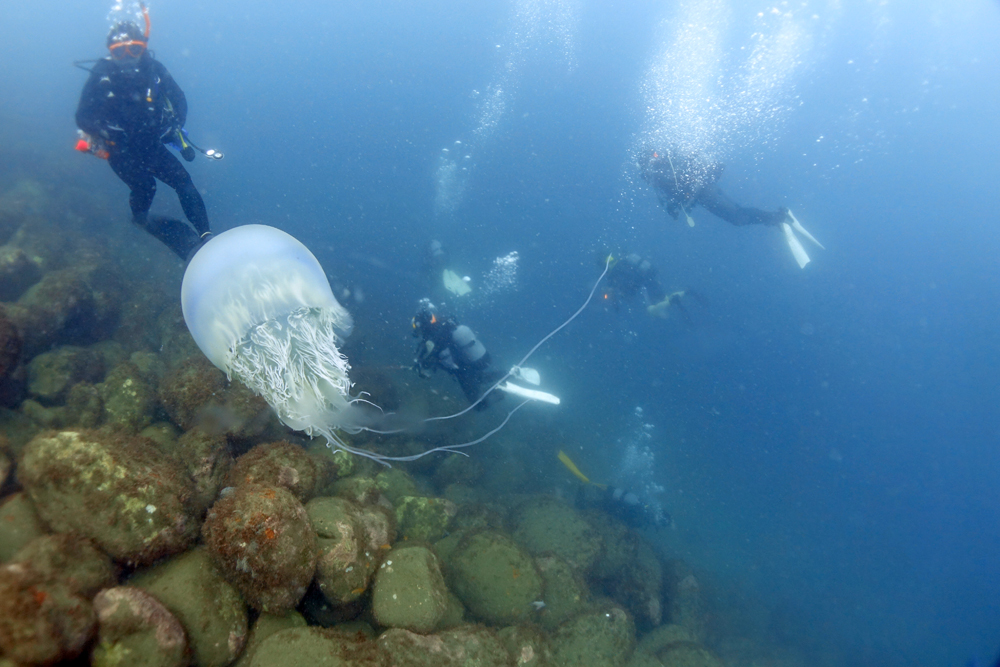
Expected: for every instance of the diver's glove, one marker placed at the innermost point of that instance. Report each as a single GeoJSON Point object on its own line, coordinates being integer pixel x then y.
{"type": "Point", "coordinates": [188, 153]}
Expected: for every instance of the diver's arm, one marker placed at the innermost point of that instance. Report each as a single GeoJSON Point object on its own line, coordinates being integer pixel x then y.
{"type": "Point", "coordinates": [173, 93]}
{"type": "Point", "coordinates": [91, 111]}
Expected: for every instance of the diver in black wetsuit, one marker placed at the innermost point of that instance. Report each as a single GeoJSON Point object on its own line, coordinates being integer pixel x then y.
{"type": "Point", "coordinates": [132, 107]}
{"type": "Point", "coordinates": [683, 180]}
{"type": "Point", "coordinates": [633, 277]}
{"type": "Point", "coordinates": [453, 347]}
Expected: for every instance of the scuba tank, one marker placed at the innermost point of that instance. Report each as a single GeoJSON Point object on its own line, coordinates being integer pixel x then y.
{"type": "Point", "coordinates": [467, 344]}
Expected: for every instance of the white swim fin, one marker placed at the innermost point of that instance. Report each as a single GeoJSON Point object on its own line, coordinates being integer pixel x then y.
{"type": "Point", "coordinates": [533, 394]}
{"type": "Point", "coordinates": [529, 375]}
{"type": "Point", "coordinates": [797, 226]}
{"type": "Point", "coordinates": [798, 252]}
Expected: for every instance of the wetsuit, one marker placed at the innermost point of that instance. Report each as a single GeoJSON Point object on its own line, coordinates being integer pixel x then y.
{"type": "Point", "coordinates": [135, 109]}
{"type": "Point", "coordinates": [453, 347]}
{"type": "Point", "coordinates": [629, 276]}
{"type": "Point", "coordinates": [684, 181]}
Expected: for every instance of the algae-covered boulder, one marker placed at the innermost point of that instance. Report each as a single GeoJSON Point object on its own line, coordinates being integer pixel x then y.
{"type": "Point", "coordinates": [69, 559]}
{"type": "Point", "coordinates": [345, 560]}
{"type": "Point", "coordinates": [396, 483]}
{"type": "Point", "coordinates": [263, 541]}
{"type": "Point", "coordinates": [19, 524]}
{"type": "Point", "coordinates": [643, 658]}
{"type": "Point", "coordinates": [265, 626]}
{"type": "Point", "coordinates": [598, 639]}
{"type": "Point", "coordinates": [41, 621]}
{"type": "Point", "coordinates": [120, 492]}
{"type": "Point", "coordinates": [423, 519]}
{"type": "Point", "coordinates": [527, 645]}
{"type": "Point", "coordinates": [685, 606]}
{"type": "Point", "coordinates": [196, 393]}
{"type": "Point", "coordinates": [278, 464]}
{"type": "Point", "coordinates": [136, 630]}
{"type": "Point", "coordinates": [129, 400]}
{"type": "Point", "coordinates": [550, 525]}
{"type": "Point", "coordinates": [495, 578]}
{"type": "Point", "coordinates": [207, 459]}
{"type": "Point", "coordinates": [10, 345]}
{"type": "Point", "coordinates": [317, 647]}
{"type": "Point", "coordinates": [464, 646]}
{"type": "Point", "coordinates": [212, 612]}
{"type": "Point", "coordinates": [51, 374]}
{"type": "Point", "coordinates": [663, 636]}
{"type": "Point", "coordinates": [565, 595]}
{"type": "Point", "coordinates": [688, 654]}
{"type": "Point", "coordinates": [409, 590]}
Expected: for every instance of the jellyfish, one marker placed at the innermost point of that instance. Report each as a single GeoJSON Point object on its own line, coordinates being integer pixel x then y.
{"type": "Point", "coordinates": [260, 307]}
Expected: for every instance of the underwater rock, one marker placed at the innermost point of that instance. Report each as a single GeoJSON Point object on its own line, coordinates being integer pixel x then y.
{"type": "Point", "coordinates": [19, 525]}
{"type": "Point", "coordinates": [463, 646]}
{"type": "Point", "coordinates": [548, 524]}
{"type": "Point", "coordinates": [265, 626]}
{"type": "Point", "coordinates": [333, 466]}
{"type": "Point", "coordinates": [628, 570]}
{"type": "Point", "coordinates": [359, 489]}
{"type": "Point", "coordinates": [458, 469]}
{"type": "Point", "coordinates": [41, 621]}
{"type": "Point", "coordinates": [688, 654]}
{"type": "Point", "coordinates": [212, 612]}
{"type": "Point", "coordinates": [79, 304]}
{"type": "Point", "coordinates": [10, 345]}
{"type": "Point", "coordinates": [378, 525]}
{"type": "Point", "coordinates": [84, 407]}
{"type": "Point", "coordinates": [528, 646]}
{"type": "Point", "coordinates": [655, 641]}
{"type": "Point", "coordinates": [136, 630]}
{"type": "Point", "coordinates": [317, 647]}
{"type": "Point", "coordinates": [262, 539]}
{"type": "Point", "coordinates": [642, 658]}
{"type": "Point", "coordinates": [409, 591]}
{"type": "Point", "coordinates": [684, 602]}
{"type": "Point", "coordinates": [51, 374]}
{"type": "Point", "coordinates": [396, 483]}
{"type": "Point", "coordinates": [454, 615]}
{"type": "Point", "coordinates": [346, 560]}
{"type": "Point", "coordinates": [598, 639]}
{"type": "Point", "coordinates": [69, 559]}
{"type": "Point", "coordinates": [120, 492]}
{"type": "Point", "coordinates": [565, 595]}
{"type": "Point", "coordinates": [278, 464]}
{"type": "Point", "coordinates": [423, 519]}
{"type": "Point", "coordinates": [195, 393]}
{"type": "Point", "coordinates": [207, 459]}
{"type": "Point", "coordinates": [129, 401]}
{"type": "Point", "coordinates": [17, 272]}
{"type": "Point", "coordinates": [494, 578]}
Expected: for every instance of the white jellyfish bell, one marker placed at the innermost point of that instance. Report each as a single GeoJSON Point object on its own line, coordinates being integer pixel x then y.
{"type": "Point", "coordinates": [259, 306]}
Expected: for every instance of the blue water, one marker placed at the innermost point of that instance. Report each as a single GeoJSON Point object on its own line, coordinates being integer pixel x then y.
{"type": "Point", "coordinates": [827, 439]}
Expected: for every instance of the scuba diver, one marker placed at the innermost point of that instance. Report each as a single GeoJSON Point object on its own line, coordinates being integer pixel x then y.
{"type": "Point", "coordinates": [627, 506]}
{"type": "Point", "coordinates": [632, 277]}
{"type": "Point", "coordinates": [683, 181]}
{"type": "Point", "coordinates": [130, 110]}
{"type": "Point", "coordinates": [453, 347]}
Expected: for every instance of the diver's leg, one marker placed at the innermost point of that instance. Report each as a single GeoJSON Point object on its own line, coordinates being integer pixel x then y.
{"type": "Point", "coordinates": [173, 233]}
{"type": "Point", "coordinates": [169, 169]}
{"type": "Point", "coordinates": [716, 202]}
{"type": "Point", "coordinates": [141, 184]}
